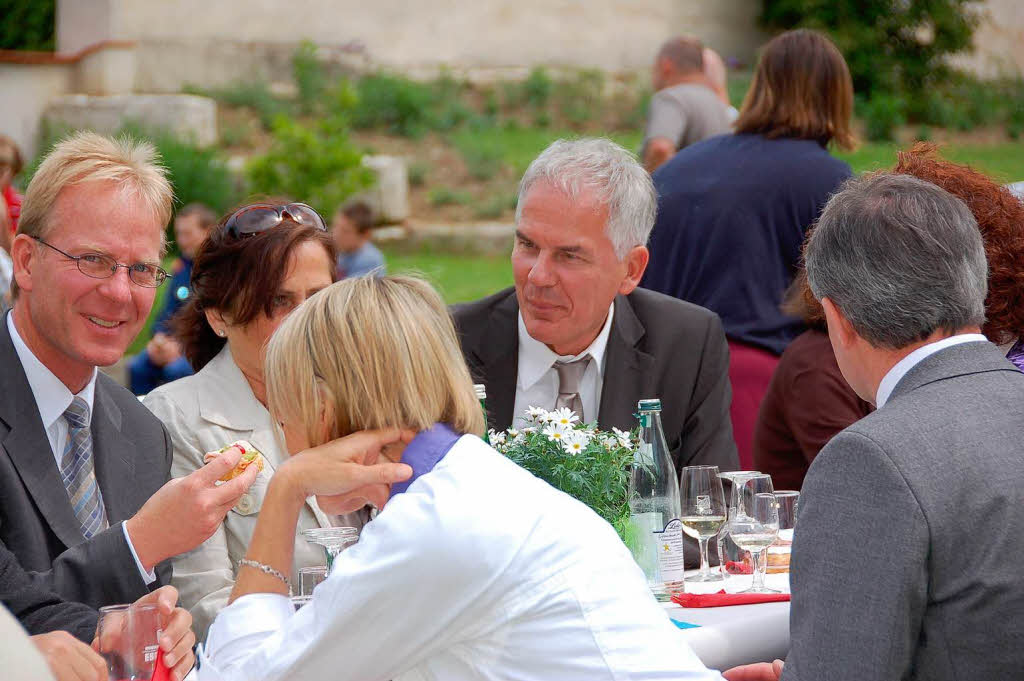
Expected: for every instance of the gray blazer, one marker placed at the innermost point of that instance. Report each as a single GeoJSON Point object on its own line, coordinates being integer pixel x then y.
{"type": "Point", "coordinates": [658, 347]}
{"type": "Point", "coordinates": [132, 455]}
{"type": "Point", "coordinates": [907, 552]}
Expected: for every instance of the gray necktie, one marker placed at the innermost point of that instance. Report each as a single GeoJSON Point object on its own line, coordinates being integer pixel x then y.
{"type": "Point", "coordinates": [569, 376]}
{"type": "Point", "coordinates": [76, 470]}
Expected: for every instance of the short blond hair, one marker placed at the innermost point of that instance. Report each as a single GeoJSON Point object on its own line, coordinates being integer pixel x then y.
{"type": "Point", "coordinates": [370, 353]}
{"type": "Point", "coordinates": [133, 165]}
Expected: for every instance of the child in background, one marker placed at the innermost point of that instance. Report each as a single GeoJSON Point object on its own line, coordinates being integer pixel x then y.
{"type": "Point", "coordinates": [357, 255]}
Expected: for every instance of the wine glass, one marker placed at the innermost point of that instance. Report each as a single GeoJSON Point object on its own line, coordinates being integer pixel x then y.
{"type": "Point", "coordinates": [732, 477]}
{"type": "Point", "coordinates": [333, 539]}
{"type": "Point", "coordinates": [127, 637]}
{"type": "Point", "coordinates": [754, 527]}
{"type": "Point", "coordinates": [779, 552]}
{"type": "Point", "coordinates": [704, 512]}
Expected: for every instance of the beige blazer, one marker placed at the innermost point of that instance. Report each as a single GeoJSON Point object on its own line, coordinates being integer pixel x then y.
{"type": "Point", "coordinates": [203, 413]}
{"type": "Point", "coordinates": [21, 660]}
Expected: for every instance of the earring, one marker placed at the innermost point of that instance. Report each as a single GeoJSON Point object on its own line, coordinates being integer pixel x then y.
{"type": "Point", "coordinates": [222, 333]}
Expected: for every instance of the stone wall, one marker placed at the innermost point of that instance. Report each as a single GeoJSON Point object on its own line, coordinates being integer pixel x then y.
{"type": "Point", "coordinates": [211, 43]}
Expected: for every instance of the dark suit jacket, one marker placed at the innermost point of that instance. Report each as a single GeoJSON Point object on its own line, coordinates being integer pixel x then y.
{"type": "Point", "coordinates": [38, 610]}
{"type": "Point", "coordinates": [658, 347]}
{"type": "Point", "coordinates": [907, 550]}
{"type": "Point", "coordinates": [132, 456]}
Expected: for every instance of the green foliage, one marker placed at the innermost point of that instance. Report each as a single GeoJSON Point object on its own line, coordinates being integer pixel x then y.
{"type": "Point", "coordinates": [581, 96]}
{"type": "Point", "coordinates": [395, 103]}
{"type": "Point", "coordinates": [251, 95]}
{"type": "Point", "coordinates": [483, 162]}
{"type": "Point", "coordinates": [315, 163]}
{"type": "Point", "coordinates": [496, 206]}
{"type": "Point", "coordinates": [28, 25]}
{"type": "Point", "coordinates": [537, 87]}
{"type": "Point", "coordinates": [460, 277]}
{"type": "Point", "coordinates": [446, 196]}
{"type": "Point", "coordinates": [310, 77]}
{"type": "Point", "coordinates": [592, 466]}
{"type": "Point", "coordinates": [892, 46]}
{"type": "Point", "coordinates": [418, 174]}
{"type": "Point", "coordinates": [882, 115]}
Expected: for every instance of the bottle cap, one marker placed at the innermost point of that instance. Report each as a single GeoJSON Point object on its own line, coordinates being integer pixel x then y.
{"type": "Point", "coordinates": [650, 404]}
{"type": "Point", "coordinates": [481, 391]}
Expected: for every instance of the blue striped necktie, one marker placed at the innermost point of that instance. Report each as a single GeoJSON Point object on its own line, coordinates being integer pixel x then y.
{"type": "Point", "coordinates": [77, 471]}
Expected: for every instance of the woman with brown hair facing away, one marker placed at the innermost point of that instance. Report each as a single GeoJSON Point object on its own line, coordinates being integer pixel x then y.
{"type": "Point", "coordinates": [733, 210]}
{"type": "Point", "coordinates": [808, 401]}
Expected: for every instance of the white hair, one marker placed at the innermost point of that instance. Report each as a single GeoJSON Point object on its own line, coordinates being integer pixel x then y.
{"type": "Point", "coordinates": [612, 173]}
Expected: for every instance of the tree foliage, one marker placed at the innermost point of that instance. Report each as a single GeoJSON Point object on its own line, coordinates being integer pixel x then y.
{"type": "Point", "coordinates": [893, 47]}
{"type": "Point", "coordinates": [27, 24]}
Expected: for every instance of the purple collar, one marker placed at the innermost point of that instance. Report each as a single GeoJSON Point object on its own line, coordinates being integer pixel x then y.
{"type": "Point", "coordinates": [425, 450]}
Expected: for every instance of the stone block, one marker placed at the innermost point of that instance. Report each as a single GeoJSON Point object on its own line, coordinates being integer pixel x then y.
{"type": "Point", "coordinates": [189, 117]}
{"type": "Point", "coordinates": [389, 196]}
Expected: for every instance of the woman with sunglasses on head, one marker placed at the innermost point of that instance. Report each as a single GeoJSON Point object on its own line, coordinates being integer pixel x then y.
{"type": "Point", "coordinates": [254, 268]}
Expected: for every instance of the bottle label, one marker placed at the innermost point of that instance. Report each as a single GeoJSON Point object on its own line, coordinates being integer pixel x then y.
{"type": "Point", "coordinates": [669, 543]}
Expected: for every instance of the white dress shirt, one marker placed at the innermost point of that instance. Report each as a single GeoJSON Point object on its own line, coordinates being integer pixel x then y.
{"type": "Point", "coordinates": [901, 368]}
{"type": "Point", "coordinates": [537, 382]}
{"type": "Point", "coordinates": [457, 579]}
{"type": "Point", "coordinates": [52, 400]}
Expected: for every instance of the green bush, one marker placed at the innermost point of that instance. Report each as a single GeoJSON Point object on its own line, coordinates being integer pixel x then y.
{"type": "Point", "coordinates": [309, 75]}
{"type": "Point", "coordinates": [446, 196]}
{"type": "Point", "coordinates": [27, 25]}
{"type": "Point", "coordinates": [418, 174]}
{"type": "Point", "coordinates": [315, 163]}
{"type": "Point", "coordinates": [397, 104]}
{"type": "Point", "coordinates": [882, 115]}
{"type": "Point", "coordinates": [255, 96]}
{"type": "Point", "coordinates": [496, 206]}
{"type": "Point", "coordinates": [537, 87]}
{"type": "Point", "coordinates": [581, 96]}
{"type": "Point", "coordinates": [894, 47]}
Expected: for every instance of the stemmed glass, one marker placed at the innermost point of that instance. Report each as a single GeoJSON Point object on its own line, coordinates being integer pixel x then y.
{"type": "Point", "coordinates": [754, 524]}
{"type": "Point", "coordinates": [704, 512]}
{"type": "Point", "coordinates": [333, 539]}
{"type": "Point", "coordinates": [779, 552]}
{"type": "Point", "coordinates": [733, 478]}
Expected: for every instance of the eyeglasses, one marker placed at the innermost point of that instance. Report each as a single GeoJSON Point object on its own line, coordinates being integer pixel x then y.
{"type": "Point", "coordinates": [259, 217]}
{"type": "Point", "coordinates": [100, 266]}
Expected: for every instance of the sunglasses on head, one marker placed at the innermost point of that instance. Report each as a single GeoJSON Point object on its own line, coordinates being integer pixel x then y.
{"type": "Point", "coordinates": [259, 217]}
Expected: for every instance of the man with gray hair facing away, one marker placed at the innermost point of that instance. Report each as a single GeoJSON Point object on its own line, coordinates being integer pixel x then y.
{"type": "Point", "coordinates": [685, 107]}
{"type": "Point", "coordinates": [906, 559]}
{"type": "Point", "coordinates": [576, 331]}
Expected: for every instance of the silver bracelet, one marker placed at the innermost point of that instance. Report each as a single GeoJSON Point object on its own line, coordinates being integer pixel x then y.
{"type": "Point", "coordinates": [266, 569]}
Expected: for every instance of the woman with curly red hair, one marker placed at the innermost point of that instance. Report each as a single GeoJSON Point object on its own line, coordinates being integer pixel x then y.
{"type": "Point", "coordinates": [808, 401]}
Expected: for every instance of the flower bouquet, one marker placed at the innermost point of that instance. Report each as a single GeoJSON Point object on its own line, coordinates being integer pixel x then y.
{"type": "Point", "coordinates": [591, 465]}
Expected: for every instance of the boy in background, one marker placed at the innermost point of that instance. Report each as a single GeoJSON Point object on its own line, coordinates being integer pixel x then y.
{"type": "Point", "coordinates": [357, 255]}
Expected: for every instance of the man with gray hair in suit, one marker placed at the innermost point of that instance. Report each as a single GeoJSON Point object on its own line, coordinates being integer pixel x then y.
{"type": "Point", "coordinates": [906, 558]}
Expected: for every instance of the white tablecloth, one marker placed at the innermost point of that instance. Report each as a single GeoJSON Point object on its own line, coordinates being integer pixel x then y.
{"type": "Point", "coordinates": [737, 634]}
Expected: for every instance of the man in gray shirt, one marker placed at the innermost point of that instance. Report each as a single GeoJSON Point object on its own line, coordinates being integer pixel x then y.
{"type": "Point", "coordinates": [684, 108]}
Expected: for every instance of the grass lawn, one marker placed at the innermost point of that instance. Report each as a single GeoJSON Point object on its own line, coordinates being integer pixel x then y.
{"type": "Point", "coordinates": [1004, 162]}
{"type": "Point", "coordinates": [459, 278]}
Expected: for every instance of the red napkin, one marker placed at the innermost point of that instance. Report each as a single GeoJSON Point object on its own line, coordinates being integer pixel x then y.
{"type": "Point", "coordinates": [721, 598]}
{"type": "Point", "coordinates": [738, 568]}
{"type": "Point", "coordinates": [160, 670]}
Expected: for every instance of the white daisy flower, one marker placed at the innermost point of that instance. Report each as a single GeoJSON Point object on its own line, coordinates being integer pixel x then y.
{"type": "Point", "coordinates": [538, 414]}
{"type": "Point", "coordinates": [529, 429]}
{"type": "Point", "coordinates": [574, 442]}
{"type": "Point", "coordinates": [496, 438]}
{"type": "Point", "coordinates": [623, 437]}
{"type": "Point", "coordinates": [514, 435]}
{"type": "Point", "coordinates": [555, 432]}
{"type": "Point", "coordinates": [564, 416]}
